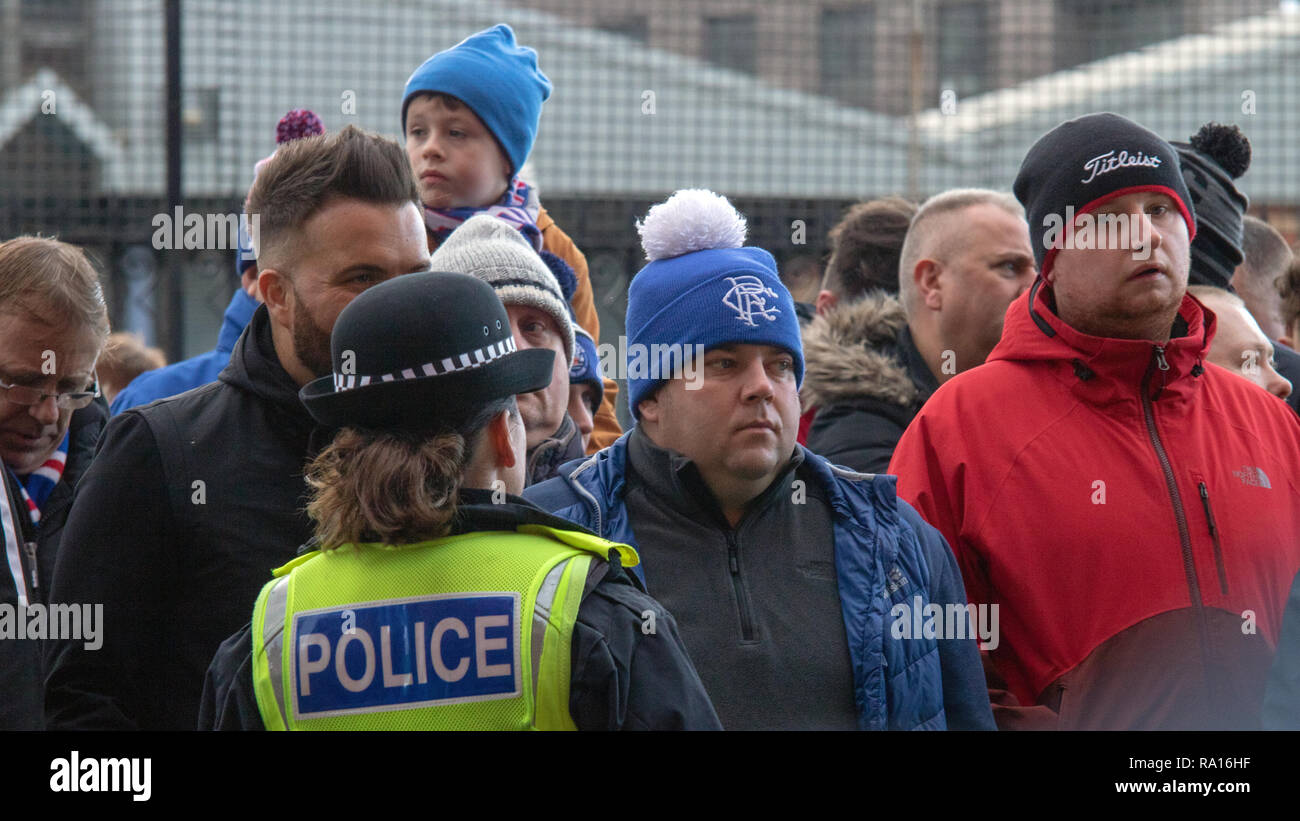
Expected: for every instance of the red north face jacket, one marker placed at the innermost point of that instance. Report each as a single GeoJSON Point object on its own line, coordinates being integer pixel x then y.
{"type": "Point", "coordinates": [1132, 510]}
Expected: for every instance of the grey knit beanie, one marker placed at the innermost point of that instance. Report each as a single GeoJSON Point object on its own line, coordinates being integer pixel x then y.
{"type": "Point", "coordinates": [492, 250]}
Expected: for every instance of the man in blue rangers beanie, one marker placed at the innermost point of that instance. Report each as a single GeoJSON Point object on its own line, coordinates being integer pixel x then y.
{"type": "Point", "coordinates": [793, 581]}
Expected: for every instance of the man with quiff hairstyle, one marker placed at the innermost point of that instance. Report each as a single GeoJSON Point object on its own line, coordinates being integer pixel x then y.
{"type": "Point", "coordinates": [193, 499]}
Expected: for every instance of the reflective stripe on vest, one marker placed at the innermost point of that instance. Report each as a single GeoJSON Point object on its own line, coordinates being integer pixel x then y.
{"type": "Point", "coordinates": [351, 664]}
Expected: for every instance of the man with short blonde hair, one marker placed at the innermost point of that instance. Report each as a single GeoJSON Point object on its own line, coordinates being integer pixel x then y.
{"type": "Point", "coordinates": [53, 324]}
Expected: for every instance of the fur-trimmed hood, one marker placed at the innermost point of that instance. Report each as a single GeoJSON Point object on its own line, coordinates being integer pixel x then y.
{"type": "Point", "coordinates": [852, 352]}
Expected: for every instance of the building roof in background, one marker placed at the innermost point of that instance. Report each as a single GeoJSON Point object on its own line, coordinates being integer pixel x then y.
{"type": "Point", "coordinates": [245, 65]}
{"type": "Point", "coordinates": [45, 95]}
{"type": "Point", "coordinates": [1172, 88]}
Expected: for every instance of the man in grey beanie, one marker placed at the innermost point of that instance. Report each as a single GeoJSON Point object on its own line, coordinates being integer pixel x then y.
{"type": "Point", "coordinates": [487, 248]}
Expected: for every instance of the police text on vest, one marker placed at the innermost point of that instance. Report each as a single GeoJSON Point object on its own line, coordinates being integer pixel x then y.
{"type": "Point", "coordinates": [399, 654]}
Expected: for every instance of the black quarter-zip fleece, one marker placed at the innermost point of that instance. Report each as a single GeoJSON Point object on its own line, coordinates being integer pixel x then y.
{"type": "Point", "coordinates": [758, 605]}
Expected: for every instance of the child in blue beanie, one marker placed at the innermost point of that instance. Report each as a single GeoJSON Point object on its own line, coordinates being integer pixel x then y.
{"type": "Point", "coordinates": [470, 116]}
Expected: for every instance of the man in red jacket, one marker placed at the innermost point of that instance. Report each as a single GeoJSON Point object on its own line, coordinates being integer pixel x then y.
{"type": "Point", "coordinates": [1132, 510]}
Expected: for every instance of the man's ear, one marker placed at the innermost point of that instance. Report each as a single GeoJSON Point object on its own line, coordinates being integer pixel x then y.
{"type": "Point", "coordinates": [826, 300]}
{"type": "Point", "coordinates": [498, 435]}
{"type": "Point", "coordinates": [277, 295]}
{"type": "Point", "coordinates": [927, 276]}
{"type": "Point", "coordinates": [649, 409]}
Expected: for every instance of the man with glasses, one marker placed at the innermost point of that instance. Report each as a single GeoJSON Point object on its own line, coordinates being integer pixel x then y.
{"type": "Point", "coordinates": [192, 500]}
{"type": "Point", "coordinates": [53, 324]}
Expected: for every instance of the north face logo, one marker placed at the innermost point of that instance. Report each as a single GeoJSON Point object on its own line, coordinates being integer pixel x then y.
{"type": "Point", "coordinates": [1252, 476]}
{"type": "Point", "coordinates": [748, 298]}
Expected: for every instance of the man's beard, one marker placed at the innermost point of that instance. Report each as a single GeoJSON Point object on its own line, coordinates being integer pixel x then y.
{"type": "Point", "coordinates": [311, 345]}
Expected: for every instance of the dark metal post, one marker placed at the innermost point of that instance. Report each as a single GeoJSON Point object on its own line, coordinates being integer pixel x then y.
{"type": "Point", "coordinates": [171, 281]}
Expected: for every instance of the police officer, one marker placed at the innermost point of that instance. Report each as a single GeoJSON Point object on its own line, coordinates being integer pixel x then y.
{"type": "Point", "coordinates": [438, 598]}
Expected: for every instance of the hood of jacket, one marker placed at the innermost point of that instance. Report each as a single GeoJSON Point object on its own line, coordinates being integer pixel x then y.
{"type": "Point", "coordinates": [238, 313]}
{"type": "Point", "coordinates": [255, 367]}
{"type": "Point", "coordinates": [852, 352]}
{"type": "Point", "coordinates": [1102, 370]}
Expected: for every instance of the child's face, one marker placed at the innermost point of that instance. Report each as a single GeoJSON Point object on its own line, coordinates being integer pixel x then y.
{"type": "Point", "coordinates": [456, 160]}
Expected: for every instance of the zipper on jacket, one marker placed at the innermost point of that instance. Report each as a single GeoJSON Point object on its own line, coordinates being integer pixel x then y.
{"type": "Point", "coordinates": [572, 478]}
{"type": "Point", "coordinates": [747, 631]}
{"type": "Point", "coordinates": [1214, 534]}
{"type": "Point", "coordinates": [1161, 362]}
{"type": "Point", "coordinates": [30, 549]}
{"type": "Point", "coordinates": [1163, 365]}
{"type": "Point", "coordinates": [1189, 566]}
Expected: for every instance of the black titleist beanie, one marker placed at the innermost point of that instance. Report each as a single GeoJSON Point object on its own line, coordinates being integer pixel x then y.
{"type": "Point", "coordinates": [1085, 162]}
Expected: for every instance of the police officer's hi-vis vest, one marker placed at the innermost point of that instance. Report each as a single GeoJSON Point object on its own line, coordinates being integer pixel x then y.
{"type": "Point", "coordinates": [468, 632]}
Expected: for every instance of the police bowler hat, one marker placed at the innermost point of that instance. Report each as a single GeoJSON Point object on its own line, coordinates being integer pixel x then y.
{"type": "Point", "coordinates": [422, 351]}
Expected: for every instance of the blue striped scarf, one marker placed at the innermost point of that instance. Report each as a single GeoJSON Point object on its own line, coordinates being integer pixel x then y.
{"type": "Point", "coordinates": [519, 207]}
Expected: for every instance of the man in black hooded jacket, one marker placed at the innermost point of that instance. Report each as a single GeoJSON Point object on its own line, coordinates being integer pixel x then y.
{"type": "Point", "coordinates": [192, 500]}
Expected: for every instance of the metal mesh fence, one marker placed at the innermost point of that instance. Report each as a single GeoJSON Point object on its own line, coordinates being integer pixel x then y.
{"type": "Point", "coordinates": [793, 109]}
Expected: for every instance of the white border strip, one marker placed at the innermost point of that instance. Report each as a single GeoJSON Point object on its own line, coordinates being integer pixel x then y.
{"type": "Point", "coordinates": [459, 362]}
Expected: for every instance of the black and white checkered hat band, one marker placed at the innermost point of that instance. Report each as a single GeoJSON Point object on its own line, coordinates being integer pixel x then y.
{"type": "Point", "coordinates": [460, 362]}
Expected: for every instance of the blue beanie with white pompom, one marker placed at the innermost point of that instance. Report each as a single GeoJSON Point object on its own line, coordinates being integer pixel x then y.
{"type": "Point", "coordinates": [701, 287]}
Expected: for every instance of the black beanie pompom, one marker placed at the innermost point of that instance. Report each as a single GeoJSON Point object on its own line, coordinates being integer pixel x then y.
{"type": "Point", "coordinates": [1226, 145]}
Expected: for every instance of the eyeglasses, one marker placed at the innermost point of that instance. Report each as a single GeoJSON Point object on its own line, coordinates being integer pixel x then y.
{"type": "Point", "coordinates": [73, 400]}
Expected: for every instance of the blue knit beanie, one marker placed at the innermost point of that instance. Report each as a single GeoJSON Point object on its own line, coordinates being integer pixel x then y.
{"type": "Point", "coordinates": [702, 287]}
{"type": "Point", "coordinates": [586, 364]}
{"type": "Point", "coordinates": [497, 79]}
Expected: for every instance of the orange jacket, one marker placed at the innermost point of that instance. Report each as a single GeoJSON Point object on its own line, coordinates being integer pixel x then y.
{"type": "Point", "coordinates": [606, 428]}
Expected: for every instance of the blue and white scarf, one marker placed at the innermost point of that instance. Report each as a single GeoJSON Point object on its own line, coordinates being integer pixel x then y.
{"type": "Point", "coordinates": [519, 207]}
{"type": "Point", "coordinates": [37, 486]}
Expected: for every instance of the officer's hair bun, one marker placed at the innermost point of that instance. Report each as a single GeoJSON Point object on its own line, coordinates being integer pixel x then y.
{"type": "Point", "coordinates": [1226, 145]}
{"type": "Point", "coordinates": [690, 220]}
